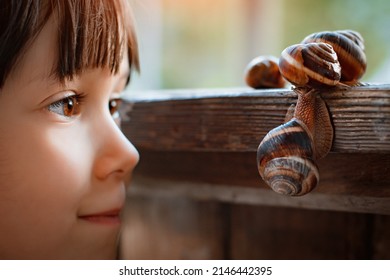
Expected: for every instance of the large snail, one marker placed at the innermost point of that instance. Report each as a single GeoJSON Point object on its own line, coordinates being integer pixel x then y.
{"type": "Point", "coordinates": [286, 159]}
{"type": "Point", "coordinates": [263, 72]}
{"type": "Point", "coordinates": [287, 155]}
{"type": "Point", "coordinates": [349, 47]}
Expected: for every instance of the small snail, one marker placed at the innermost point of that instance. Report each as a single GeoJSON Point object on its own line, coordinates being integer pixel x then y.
{"type": "Point", "coordinates": [285, 159]}
{"type": "Point", "coordinates": [312, 65]}
{"type": "Point", "coordinates": [349, 47]}
{"type": "Point", "coordinates": [263, 72]}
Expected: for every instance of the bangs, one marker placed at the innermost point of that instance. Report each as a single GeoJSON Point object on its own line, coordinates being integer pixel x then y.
{"type": "Point", "coordinates": [93, 34]}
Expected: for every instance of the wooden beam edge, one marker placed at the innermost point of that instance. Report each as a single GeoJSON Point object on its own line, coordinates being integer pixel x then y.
{"type": "Point", "coordinates": [148, 187]}
{"type": "Point", "coordinates": [237, 119]}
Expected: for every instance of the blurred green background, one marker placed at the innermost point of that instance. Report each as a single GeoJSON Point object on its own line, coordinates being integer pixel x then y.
{"type": "Point", "coordinates": [208, 43]}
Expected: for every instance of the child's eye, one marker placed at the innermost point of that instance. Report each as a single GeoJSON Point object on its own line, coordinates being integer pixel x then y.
{"type": "Point", "coordinates": [113, 106]}
{"type": "Point", "coordinates": [67, 107]}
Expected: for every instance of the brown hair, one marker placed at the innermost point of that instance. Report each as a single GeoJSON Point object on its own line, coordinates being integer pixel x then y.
{"type": "Point", "coordinates": [92, 34]}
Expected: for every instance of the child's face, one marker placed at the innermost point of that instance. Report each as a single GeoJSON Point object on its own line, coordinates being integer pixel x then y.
{"type": "Point", "coordinates": [62, 164]}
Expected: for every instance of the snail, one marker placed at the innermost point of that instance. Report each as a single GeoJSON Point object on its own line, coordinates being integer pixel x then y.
{"type": "Point", "coordinates": [286, 157]}
{"type": "Point", "coordinates": [349, 47]}
{"type": "Point", "coordinates": [312, 65]}
{"type": "Point", "coordinates": [286, 161]}
{"type": "Point", "coordinates": [263, 72]}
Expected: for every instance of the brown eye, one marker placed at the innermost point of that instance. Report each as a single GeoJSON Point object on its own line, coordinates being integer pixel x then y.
{"type": "Point", "coordinates": [113, 106]}
{"type": "Point", "coordinates": [67, 107]}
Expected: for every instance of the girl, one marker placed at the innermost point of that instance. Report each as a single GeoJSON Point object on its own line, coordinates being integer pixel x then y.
{"type": "Point", "coordinates": [63, 159]}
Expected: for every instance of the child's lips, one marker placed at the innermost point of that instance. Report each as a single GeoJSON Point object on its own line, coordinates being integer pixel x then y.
{"type": "Point", "coordinates": [111, 217]}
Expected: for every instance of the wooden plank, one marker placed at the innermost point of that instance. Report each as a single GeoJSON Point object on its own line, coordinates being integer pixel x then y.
{"type": "Point", "coordinates": [284, 233]}
{"type": "Point", "coordinates": [348, 182]}
{"type": "Point", "coordinates": [174, 227]}
{"type": "Point", "coordinates": [381, 237]}
{"type": "Point", "coordinates": [237, 119]}
{"type": "Point", "coordinates": [146, 187]}
{"type": "Point", "coordinates": [356, 174]}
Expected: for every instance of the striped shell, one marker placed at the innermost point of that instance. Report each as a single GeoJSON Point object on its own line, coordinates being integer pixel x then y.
{"type": "Point", "coordinates": [285, 159]}
{"type": "Point", "coordinates": [349, 46]}
{"type": "Point", "coordinates": [263, 72]}
{"type": "Point", "coordinates": [310, 65]}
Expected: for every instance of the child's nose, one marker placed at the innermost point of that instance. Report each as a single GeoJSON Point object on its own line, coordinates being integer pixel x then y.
{"type": "Point", "coordinates": [116, 156]}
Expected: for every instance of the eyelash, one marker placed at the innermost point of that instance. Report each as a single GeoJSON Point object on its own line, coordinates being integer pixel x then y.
{"type": "Point", "coordinates": [75, 101]}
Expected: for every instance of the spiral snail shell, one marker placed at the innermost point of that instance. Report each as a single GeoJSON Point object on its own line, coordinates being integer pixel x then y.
{"type": "Point", "coordinates": [349, 46]}
{"type": "Point", "coordinates": [285, 159]}
{"type": "Point", "coordinates": [263, 72]}
{"type": "Point", "coordinates": [313, 65]}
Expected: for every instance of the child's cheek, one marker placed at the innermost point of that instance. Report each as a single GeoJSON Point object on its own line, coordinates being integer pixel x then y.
{"type": "Point", "coordinates": [69, 155]}
{"type": "Point", "coordinates": [51, 163]}
{"type": "Point", "coordinates": [44, 174]}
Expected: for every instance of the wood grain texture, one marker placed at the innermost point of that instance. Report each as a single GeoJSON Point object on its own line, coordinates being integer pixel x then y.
{"type": "Point", "coordinates": [211, 137]}
{"type": "Point", "coordinates": [348, 182]}
{"type": "Point", "coordinates": [237, 119]}
{"type": "Point", "coordinates": [196, 193]}
{"type": "Point", "coordinates": [173, 227]}
{"type": "Point", "coordinates": [283, 233]}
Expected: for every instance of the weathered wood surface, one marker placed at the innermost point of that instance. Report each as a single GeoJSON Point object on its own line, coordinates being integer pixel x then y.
{"type": "Point", "coordinates": [171, 228]}
{"type": "Point", "coordinates": [207, 140]}
{"type": "Point", "coordinates": [197, 194]}
{"type": "Point", "coordinates": [237, 119]}
{"type": "Point", "coordinates": [348, 182]}
{"type": "Point", "coordinates": [174, 227]}
{"type": "Point", "coordinates": [283, 233]}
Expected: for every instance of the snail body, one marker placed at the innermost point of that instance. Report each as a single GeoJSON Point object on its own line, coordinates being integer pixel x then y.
{"type": "Point", "coordinates": [263, 72]}
{"type": "Point", "coordinates": [312, 111]}
{"type": "Point", "coordinates": [286, 159]}
{"type": "Point", "coordinates": [349, 47]}
{"type": "Point", "coordinates": [312, 65]}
